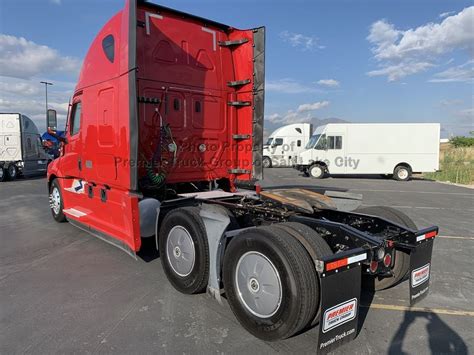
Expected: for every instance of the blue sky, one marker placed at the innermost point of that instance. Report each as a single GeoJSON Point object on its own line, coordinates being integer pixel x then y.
{"type": "Point", "coordinates": [361, 61]}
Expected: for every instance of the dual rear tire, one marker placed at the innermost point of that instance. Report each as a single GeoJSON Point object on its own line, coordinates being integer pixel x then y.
{"type": "Point", "coordinates": [269, 278]}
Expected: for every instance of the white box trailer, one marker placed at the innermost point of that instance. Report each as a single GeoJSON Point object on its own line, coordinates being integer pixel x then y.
{"type": "Point", "coordinates": [371, 148]}
{"type": "Point", "coordinates": [21, 149]}
{"type": "Point", "coordinates": [285, 143]}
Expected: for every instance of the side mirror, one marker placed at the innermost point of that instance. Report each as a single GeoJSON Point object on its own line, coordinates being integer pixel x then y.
{"type": "Point", "coordinates": [52, 120]}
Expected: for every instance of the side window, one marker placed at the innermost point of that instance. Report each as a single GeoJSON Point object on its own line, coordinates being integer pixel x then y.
{"type": "Point", "coordinates": [322, 143]}
{"type": "Point", "coordinates": [75, 118]}
{"type": "Point", "coordinates": [278, 141]}
{"type": "Point", "coordinates": [108, 46]}
{"type": "Point", "coordinates": [334, 142]}
{"type": "Point", "coordinates": [298, 143]}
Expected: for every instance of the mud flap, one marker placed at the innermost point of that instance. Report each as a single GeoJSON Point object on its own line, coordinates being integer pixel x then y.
{"type": "Point", "coordinates": [340, 300]}
{"type": "Point", "coordinates": [420, 269]}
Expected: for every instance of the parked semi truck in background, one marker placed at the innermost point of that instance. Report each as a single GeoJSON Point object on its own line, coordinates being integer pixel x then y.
{"type": "Point", "coordinates": [392, 149]}
{"type": "Point", "coordinates": [285, 143]}
{"type": "Point", "coordinates": [165, 129]}
{"type": "Point", "coordinates": [21, 149]}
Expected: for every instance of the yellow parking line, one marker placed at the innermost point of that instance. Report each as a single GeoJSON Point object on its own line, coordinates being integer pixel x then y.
{"type": "Point", "coordinates": [452, 237]}
{"type": "Point", "coordinates": [392, 307]}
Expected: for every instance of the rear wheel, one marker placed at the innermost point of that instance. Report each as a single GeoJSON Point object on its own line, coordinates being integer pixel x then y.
{"type": "Point", "coordinates": [56, 202]}
{"type": "Point", "coordinates": [267, 162]}
{"type": "Point", "coordinates": [12, 172]}
{"type": "Point", "coordinates": [317, 171]}
{"type": "Point", "coordinates": [3, 175]}
{"type": "Point", "coordinates": [320, 248]}
{"type": "Point", "coordinates": [402, 173]}
{"type": "Point", "coordinates": [184, 250]}
{"type": "Point", "coordinates": [270, 283]}
{"type": "Point", "coordinates": [401, 262]}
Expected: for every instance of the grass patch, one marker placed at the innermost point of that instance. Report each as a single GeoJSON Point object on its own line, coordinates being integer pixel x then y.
{"type": "Point", "coordinates": [456, 165]}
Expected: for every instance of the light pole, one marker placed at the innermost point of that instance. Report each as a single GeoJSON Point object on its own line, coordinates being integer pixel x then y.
{"type": "Point", "coordinates": [46, 87]}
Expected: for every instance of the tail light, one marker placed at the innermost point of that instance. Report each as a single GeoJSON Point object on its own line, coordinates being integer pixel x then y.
{"type": "Point", "coordinates": [373, 266]}
{"type": "Point", "coordinates": [387, 260]}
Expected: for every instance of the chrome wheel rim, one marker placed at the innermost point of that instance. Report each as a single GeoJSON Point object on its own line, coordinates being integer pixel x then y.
{"type": "Point", "coordinates": [258, 284]}
{"type": "Point", "coordinates": [55, 200]}
{"type": "Point", "coordinates": [316, 171]}
{"type": "Point", "coordinates": [1, 173]}
{"type": "Point", "coordinates": [403, 174]}
{"type": "Point", "coordinates": [180, 251]}
{"type": "Point", "coordinates": [266, 163]}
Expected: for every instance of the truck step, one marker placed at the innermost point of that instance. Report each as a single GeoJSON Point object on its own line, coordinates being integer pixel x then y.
{"type": "Point", "coordinates": [239, 171]}
{"type": "Point", "coordinates": [236, 42]}
{"type": "Point", "coordinates": [238, 82]}
{"type": "Point", "coordinates": [239, 103]}
{"type": "Point", "coordinates": [239, 137]}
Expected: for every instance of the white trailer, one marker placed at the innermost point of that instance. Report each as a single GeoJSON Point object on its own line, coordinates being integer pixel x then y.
{"type": "Point", "coordinates": [21, 149]}
{"type": "Point", "coordinates": [397, 149]}
{"type": "Point", "coordinates": [285, 143]}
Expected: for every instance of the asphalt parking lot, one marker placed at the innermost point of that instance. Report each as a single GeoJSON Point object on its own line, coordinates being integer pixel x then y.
{"type": "Point", "coordinates": [62, 290]}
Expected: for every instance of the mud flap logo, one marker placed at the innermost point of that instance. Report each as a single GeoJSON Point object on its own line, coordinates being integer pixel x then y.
{"type": "Point", "coordinates": [340, 314]}
{"type": "Point", "coordinates": [420, 275]}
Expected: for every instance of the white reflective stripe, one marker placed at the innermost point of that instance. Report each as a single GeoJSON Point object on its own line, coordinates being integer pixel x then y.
{"type": "Point", "coordinates": [147, 20]}
{"type": "Point", "coordinates": [356, 258]}
{"type": "Point", "coordinates": [74, 212]}
{"type": "Point", "coordinates": [214, 44]}
{"type": "Point", "coordinates": [420, 237]}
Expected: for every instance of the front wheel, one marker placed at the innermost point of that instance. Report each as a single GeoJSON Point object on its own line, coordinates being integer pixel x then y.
{"type": "Point", "coordinates": [317, 171]}
{"type": "Point", "coordinates": [270, 283]}
{"type": "Point", "coordinates": [12, 172]}
{"type": "Point", "coordinates": [267, 162]}
{"type": "Point", "coordinates": [56, 202]}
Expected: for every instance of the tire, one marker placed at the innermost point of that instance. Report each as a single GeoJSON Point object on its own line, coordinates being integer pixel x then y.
{"type": "Point", "coordinates": [56, 202]}
{"type": "Point", "coordinates": [402, 173]}
{"type": "Point", "coordinates": [3, 174]}
{"type": "Point", "coordinates": [317, 171]}
{"type": "Point", "coordinates": [321, 249]}
{"type": "Point", "coordinates": [12, 172]}
{"type": "Point", "coordinates": [401, 259]}
{"type": "Point", "coordinates": [184, 250]}
{"type": "Point", "coordinates": [267, 162]}
{"type": "Point", "coordinates": [289, 301]}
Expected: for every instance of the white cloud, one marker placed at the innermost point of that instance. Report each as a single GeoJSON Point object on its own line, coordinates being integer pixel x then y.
{"type": "Point", "coordinates": [451, 102]}
{"type": "Point", "coordinates": [28, 97]}
{"type": "Point", "coordinates": [446, 14]}
{"type": "Point", "coordinates": [300, 115]}
{"type": "Point", "coordinates": [460, 73]}
{"type": "Point", "coordinates": [289, 86]}
{"type": "Point", "coordinates": [20, 58]}
{"type": "Point", "coordinates": [406, 52]}
{"type": "Point", "coordinates": [312, 107]}
{"type": "Point", "coordinates": [300, 41]}
{"type": "Point", "coordinates": [467, 113]}
{"type": "Point", "coordinates": [329, 83]}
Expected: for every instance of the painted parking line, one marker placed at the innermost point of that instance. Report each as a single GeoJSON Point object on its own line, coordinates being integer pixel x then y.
{"type": "Point", "coordinates": [453, 237]}
{"type": "Point", "coordinates": [429, 208]}
{"type": "Point", "coordinates": [392, 307]}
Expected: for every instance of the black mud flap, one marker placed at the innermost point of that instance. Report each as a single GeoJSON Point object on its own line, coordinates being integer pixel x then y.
{"type": "Point", "coordinates": [420, 269]}
{"type": "Point", "coordinates": [340, 300]}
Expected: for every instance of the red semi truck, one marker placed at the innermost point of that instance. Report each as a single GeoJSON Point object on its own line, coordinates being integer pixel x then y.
{"type": "Point", "coordinates": [164, 139]}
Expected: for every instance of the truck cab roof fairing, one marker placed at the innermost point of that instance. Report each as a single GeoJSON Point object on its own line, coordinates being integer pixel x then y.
{"type": "Point", "coordinates": [97, 68]}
